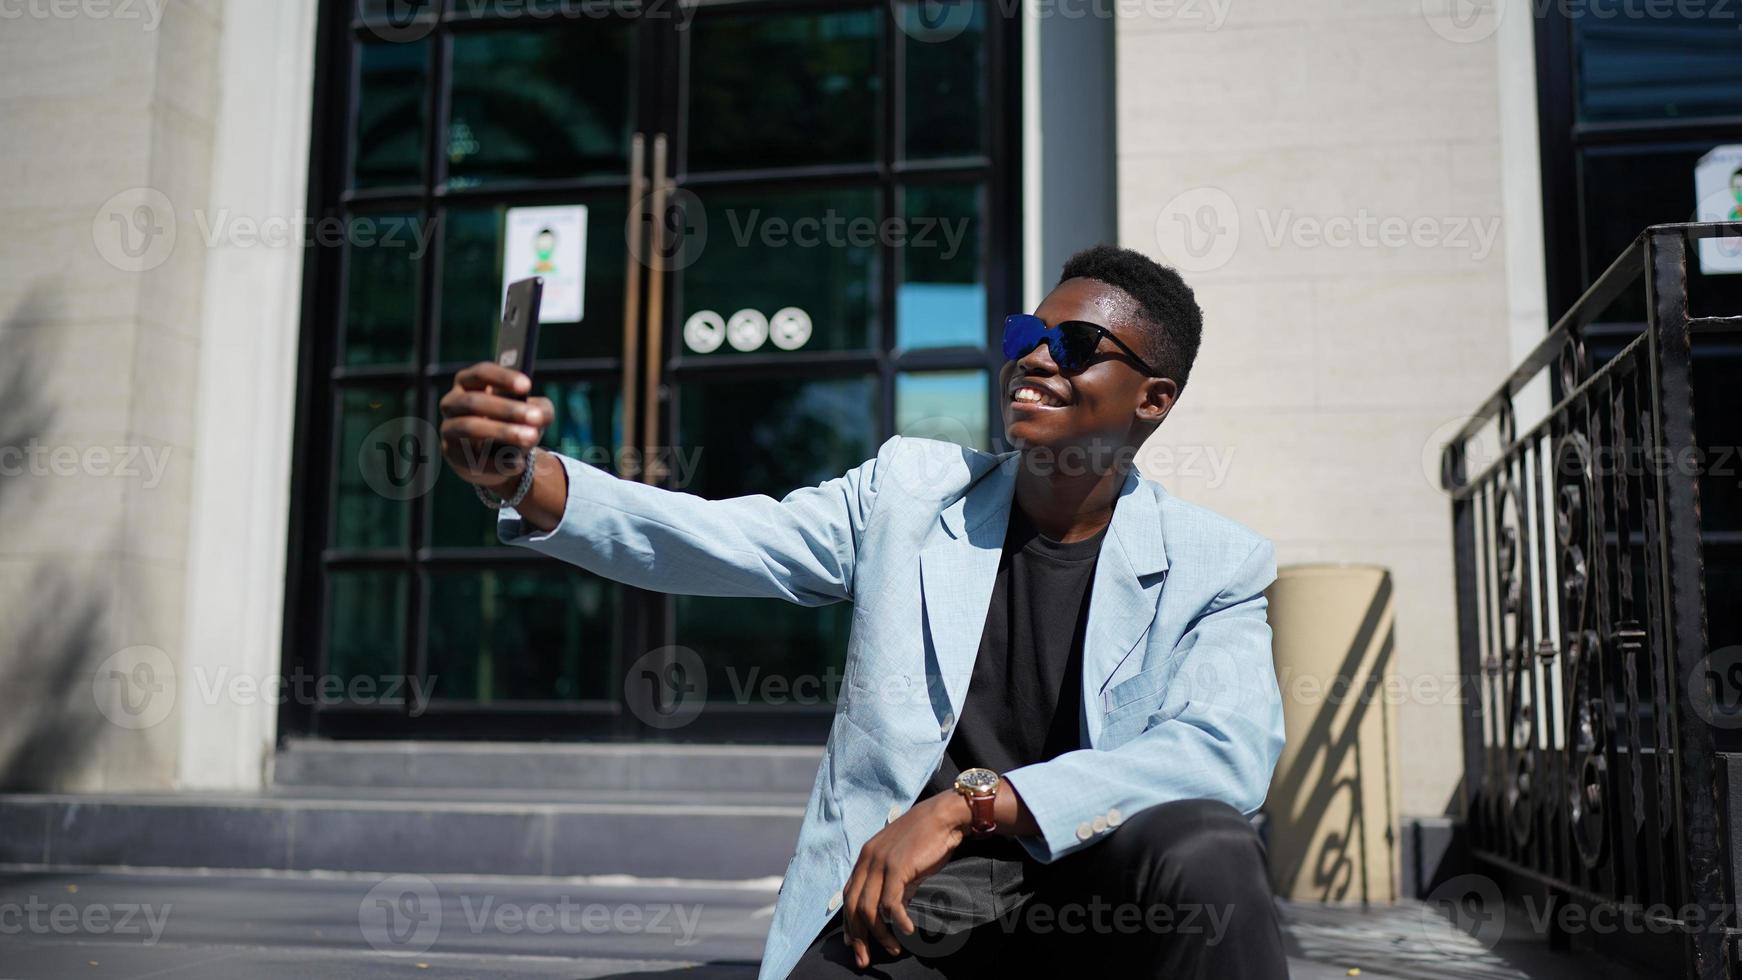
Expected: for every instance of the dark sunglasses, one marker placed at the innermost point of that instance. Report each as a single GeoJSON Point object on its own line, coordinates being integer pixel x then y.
{"type": "Point", "coordinates": [1071, 343]}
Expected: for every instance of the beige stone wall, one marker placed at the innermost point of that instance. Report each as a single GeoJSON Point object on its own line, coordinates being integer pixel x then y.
{"type": "Point", "coordinates": [1251, 153]}
{"type": "Point", "coordinates": [98, 354]}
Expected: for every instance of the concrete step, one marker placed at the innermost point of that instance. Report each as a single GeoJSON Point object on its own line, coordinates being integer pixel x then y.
{"type": "Point", "coordinates": [561, 767]}
{"type": "Point", "coordinates": [500, 832]}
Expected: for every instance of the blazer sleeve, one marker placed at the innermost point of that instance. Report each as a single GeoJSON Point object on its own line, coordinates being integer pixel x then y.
{"type": "Point", "coordinates": [802, 548]}
{"type": "Point", "coordinates": [1216, 733]}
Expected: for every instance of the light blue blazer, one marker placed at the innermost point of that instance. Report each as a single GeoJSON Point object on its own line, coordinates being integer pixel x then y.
{"type": "Point", "coordinates": [1180, 699]}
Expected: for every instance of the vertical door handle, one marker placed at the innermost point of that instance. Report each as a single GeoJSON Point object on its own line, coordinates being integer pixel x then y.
{"type": "Point", "coordinates": [631, 441]}
{"type": "Point", "coordinates": [651, 470]}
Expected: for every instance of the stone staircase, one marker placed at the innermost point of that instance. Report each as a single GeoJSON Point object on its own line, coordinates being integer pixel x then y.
{"type": "Point", "coordinates": [721, 812]}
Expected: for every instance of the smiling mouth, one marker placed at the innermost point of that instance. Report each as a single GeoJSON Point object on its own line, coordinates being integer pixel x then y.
{"type": "Point", "coordinates": [1027, 394]}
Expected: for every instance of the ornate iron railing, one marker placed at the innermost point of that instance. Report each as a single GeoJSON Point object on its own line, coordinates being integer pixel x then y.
{"type": "Point", "coordinates": [1591, 777]}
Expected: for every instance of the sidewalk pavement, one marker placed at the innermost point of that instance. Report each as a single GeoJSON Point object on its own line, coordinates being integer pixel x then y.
{"type": "Point", "coordinates": [229, 925]}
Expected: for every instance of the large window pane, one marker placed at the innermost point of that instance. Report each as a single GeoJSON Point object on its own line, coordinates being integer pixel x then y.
{"type": "Point", "coordinates": [381, 296]}
{"type": "Point", "coordinates": [365, 627]}
{"type": "Point", "coordinates": [941, 300]}
{"type": "Point", "coordinates": [544, 103]}
{"type": "Point", "coordinates": [944, 108]}
{"type": "Point", "coordinates": [388, 143]}
{"type": "Point", "coordinates": [1724, 619]}
{"type": "Point", "coordinates": [381, 459]}
{"type": "Point", "coordinates": [1717, 379]}
{"type": "Point", "coordinates": [946, 405]}
{"type": "Point", "coordinates": [766, 652]}
{"type": "Point", "coordinates": [472, 285]}
{"type": "Point", "coordinates": [782, 90]}
{"type": "Point", "coordinates": [769, 437]}
{"type": "Point", "coordinates": [811, 251]}
{"type": "Point", "coordinates": [1627, 189]}
{"type": "Point", "coordinates": [1670, 65]}
{"type": "Point", "coordinates": [511, 635]}
{"type": "Point", "coordinates": [587, 428]}
{"type": "Point", "coordinates": [775, 435]}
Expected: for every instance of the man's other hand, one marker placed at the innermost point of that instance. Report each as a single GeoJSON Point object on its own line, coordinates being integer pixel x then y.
{"type": "Point", "coordinates": [892, 865]}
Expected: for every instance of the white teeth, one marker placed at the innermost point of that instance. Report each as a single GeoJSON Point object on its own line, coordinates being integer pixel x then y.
{"type": "Point", "coordinates": [1033, 396]}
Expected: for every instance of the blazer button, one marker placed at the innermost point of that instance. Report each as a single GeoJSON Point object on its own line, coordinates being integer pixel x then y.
{"type": "Point", "coordinates": [1114, 817]}
{"type": "Point", "coordinates": [834, 901]}
{"type": "Point", "coordinates": [1099, 824]}
{"type": "Point", "coordinates": [1084, 831]}
{"type": "Point", "coordinates": [894, 814]}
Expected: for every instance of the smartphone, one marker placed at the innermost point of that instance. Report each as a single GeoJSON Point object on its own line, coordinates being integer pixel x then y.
{"type": "Point", "coordinates": [517, 335]}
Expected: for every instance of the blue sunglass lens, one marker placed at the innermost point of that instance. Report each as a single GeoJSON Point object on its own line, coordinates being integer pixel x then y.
{"type": "Point", "coordinates": [1021, 333]}
{"type": "Point", "coordinates": [1068, 343]}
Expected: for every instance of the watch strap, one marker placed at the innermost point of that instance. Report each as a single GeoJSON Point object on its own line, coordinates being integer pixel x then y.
{"type": "Point", "coordinates": [982, 812]}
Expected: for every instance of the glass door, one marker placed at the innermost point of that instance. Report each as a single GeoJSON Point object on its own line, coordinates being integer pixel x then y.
{"type": "Point", "coordinates": [796, 222]}
{"type": "Point", "coordinates": [829, 258]}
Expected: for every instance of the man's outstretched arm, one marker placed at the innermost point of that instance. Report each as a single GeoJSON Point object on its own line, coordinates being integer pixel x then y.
{"type": "Point", "coordinates": [803, 548]}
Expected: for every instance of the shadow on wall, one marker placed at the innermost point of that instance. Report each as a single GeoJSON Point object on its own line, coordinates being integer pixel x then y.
{"type": "Point", "coordinates": [53, 611]}
{"type": "Point", "coordinates": [1333, 800]}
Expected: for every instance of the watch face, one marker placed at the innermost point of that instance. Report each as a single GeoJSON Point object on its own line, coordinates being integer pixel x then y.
{"type": "Point", "coordinates": [978, 780]}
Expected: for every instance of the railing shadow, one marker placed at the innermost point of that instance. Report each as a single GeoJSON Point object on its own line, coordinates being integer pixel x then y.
{"type": "Point", "coordinates": [1329, 778]}
{"type": "Point", "coordinates": [55, 621]}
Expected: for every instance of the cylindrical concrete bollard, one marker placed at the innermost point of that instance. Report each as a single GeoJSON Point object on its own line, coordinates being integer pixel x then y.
{"type": "Point", "coordinates": [1332, 807]}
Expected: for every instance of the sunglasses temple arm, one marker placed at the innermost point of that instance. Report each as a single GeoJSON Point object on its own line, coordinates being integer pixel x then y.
{"type": "Point", "coordinates": [1132, 354]}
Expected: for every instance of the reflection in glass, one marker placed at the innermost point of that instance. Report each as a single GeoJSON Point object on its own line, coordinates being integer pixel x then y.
{"type": "Point", "coordinates": [365, 626]}
{"type": "Point", "coordinates": [767, 652]}
{"type": "Point", "coordinates": [1724, 627]}
{"type": "Point", "coordinates": [1717, 379]}
{"type": "Point", "coordinates": [513, 635]}
{"type": "Point", "coordinates": [589, 414]}
{"type": "Point", "coordinates": [381, 288]}
{"type": "Point", "coordinates": [397, 12]}
{"type": "Point", "coordinates": [941, 300]}
{"type": "Point", "coordinates": [946, 405]}
{"type": "Point", "coordinates": [783, 90]}
{"type": "Point", "coordinates": [814, 250]}
{"type": "Point", "coordinates": [545, 103]}
{"type": "Point", "coordinates": [388, 144]}
{"type": "Point", "coordinates": [769, 437]}
{"type": "Point", "coordinates": [944, 109]}
{"type": "Point", "coordinates": [775, 435]}
{"type": "Point", "coordinates": [1680, 65]}
{"type": "Point", "coordinates": [472, 285]}
{"type": "Point", "coordinates": [1627, 189]}
{"type": "Point", "coordinates": [379, 457]}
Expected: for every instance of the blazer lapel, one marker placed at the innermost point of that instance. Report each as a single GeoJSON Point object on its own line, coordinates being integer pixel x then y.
{"type": "Point", "coordinates": [959, 565]}
{"type": "Point", "coordinates": [957, 571]}
{"type": "Point", "coordinates": [1126, 592]}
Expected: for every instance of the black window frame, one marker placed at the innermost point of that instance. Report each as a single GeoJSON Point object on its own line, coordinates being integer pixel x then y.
{"type": "Point", "coordinates": [321, 377]}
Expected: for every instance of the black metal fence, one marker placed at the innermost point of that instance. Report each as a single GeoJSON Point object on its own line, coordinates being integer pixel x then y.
{"type": "Point", "coordinates": [1592, 775]}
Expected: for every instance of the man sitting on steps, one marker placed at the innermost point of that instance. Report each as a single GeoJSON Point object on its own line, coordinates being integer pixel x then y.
{"type": "Point", "coordinates": [1059, 702]}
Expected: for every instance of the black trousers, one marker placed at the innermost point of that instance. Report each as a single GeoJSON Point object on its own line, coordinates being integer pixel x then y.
{"type": "Point", "coordinates": [1178, 890]}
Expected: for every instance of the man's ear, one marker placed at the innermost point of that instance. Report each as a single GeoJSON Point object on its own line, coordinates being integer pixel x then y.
{"type": "Point", "coordinates": [1156, 399]}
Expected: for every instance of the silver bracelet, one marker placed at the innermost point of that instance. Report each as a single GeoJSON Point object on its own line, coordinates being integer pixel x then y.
{"type": "Point", "coordinates": [494, 502]}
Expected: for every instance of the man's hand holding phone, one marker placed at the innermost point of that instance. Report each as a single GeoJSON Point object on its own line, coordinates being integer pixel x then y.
{"type": "Point", "coordinates": [489, 426]}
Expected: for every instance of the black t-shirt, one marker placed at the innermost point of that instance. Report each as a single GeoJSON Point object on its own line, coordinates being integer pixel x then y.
{"type": "Point", "coordinates": [1024, 705]}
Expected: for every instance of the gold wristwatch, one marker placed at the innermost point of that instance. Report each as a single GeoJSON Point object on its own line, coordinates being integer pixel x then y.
{"type": "Point", "coordinates": [980, 788]}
